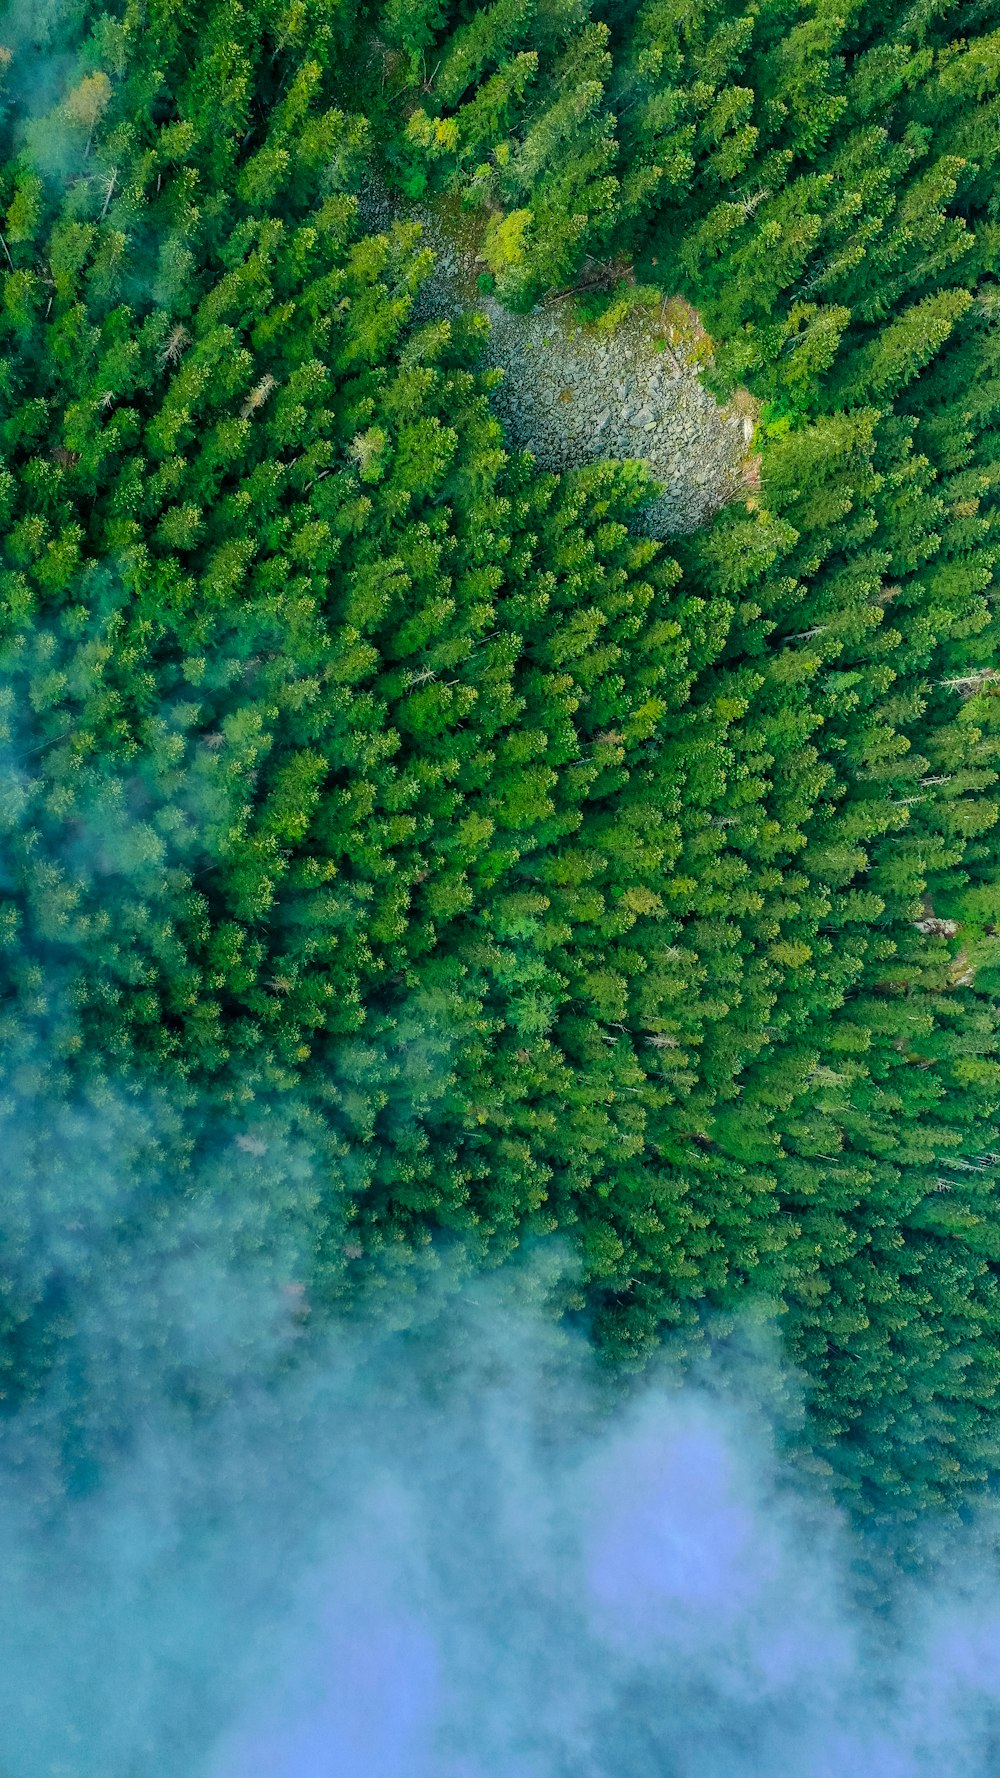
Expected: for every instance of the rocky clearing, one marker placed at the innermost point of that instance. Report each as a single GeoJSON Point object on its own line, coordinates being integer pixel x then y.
{"type": "Point", "coordinates": [574, 394]}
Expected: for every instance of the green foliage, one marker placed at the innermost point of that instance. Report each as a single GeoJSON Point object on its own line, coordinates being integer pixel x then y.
{"type": "Point", "coordinates": [360, 778]}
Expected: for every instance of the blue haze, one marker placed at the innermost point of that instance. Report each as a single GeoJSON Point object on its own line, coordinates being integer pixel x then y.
{"type": "Point", "coordinates": [433, 1541]}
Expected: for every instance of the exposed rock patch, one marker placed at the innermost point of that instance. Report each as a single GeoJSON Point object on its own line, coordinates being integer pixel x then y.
{"type": "Point", "coordinates": [573, 394]}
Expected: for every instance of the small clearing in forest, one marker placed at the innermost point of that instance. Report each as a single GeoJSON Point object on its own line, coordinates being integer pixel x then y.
{"type": "Point", "coordinates": [575, 393]}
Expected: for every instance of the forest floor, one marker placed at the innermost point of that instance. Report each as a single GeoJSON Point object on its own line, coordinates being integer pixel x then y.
{"type": "Point", "coordinates": [626, 386]}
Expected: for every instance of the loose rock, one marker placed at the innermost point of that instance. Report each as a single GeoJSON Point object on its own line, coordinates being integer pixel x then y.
{"type": "Point", "coordinates": [572, 396]}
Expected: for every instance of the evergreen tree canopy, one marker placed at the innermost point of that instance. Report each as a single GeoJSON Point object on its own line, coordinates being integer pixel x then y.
{"type": "Point", "coordinates": [374, 790]}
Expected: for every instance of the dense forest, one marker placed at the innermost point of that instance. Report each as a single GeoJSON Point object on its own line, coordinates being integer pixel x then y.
{"type": "Point", "coordinates": [369, 793]}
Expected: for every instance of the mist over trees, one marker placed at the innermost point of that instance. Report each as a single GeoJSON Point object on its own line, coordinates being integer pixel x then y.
{"type": "Point", "coordinates": [362, 783]}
